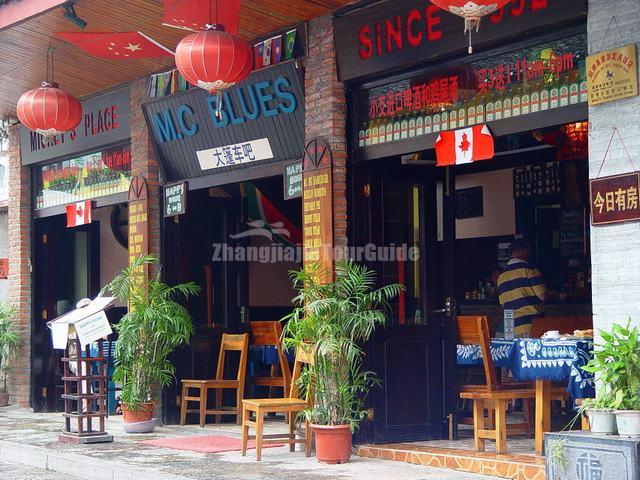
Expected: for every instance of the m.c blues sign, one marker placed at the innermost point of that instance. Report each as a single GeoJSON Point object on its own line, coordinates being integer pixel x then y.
{"type": "Point", "coordinates": [266, 109]}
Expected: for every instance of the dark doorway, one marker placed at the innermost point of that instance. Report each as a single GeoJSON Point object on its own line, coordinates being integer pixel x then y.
{"type": "Point", "coordinates": [411, 207]}
{"type": "Point", "coordinates": [66, 269]}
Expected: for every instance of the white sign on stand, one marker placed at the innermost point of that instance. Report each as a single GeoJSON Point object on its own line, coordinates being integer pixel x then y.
{"type": "Point", "coordinates": [88, 321]}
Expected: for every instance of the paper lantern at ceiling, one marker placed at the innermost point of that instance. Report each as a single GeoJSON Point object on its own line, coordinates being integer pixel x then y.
{"type": "Point", "coordinates": [214, 59]}
{"type": "Point", "coordinates": [471, 11]}
{"type": "Point", "coordinates": [49, 110]}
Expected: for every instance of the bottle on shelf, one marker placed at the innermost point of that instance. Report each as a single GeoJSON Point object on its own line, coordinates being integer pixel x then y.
{"type": "Point", "coordinates": [453, 119]}
{"type": "Point", "coordinates": [489, 109]}
{"type": "Point", "coordinates": [480, 110]}
{"type": "Point", "coordinates": [404, 127]}
{"type": "Point", "coordinates": [544, 97]}
{"type": "Point", "coordinates": [525, 103]}
{"type": "Point", "coordinates": [471, 113]}
{"type": "Point", "coordinates": [428, 124]}
{"type": "Point", "coordinates": [535, 98]}
{"type": "Point", "coordinates": [382, 131]}
{"type": "Point", "coordinates": [506, 107]}
{"type": "Point", "coordinates": [396, 128]}
{"type": "Point", "coordinates": [436, 122]}
{"type": "Point", "coordinates": [516, 102]}
{"type": "Point", "coordinates": [564, 92]}
{"type": "Point", "coordinates": [497, 109]}
{"type": "Point", "coordinates": [374, 131]}
{"type": "Point", "coordinates": [574, 89]}
{"type": "Point", "coordinates": [412, 125]}
{"type": "Point", "coordinates": [362, 134]}
{"type": "Point", "coordinates": [462, 117]}
{"type": "Point", "coordinates": [444, 121]}
{"type": "Point", "coordinates": [389, 130]}
{"type": "Point", "coordinates": [419, 124]}
{"type": "Point", "coordinates": [367, 135]}
{"type": "Point", "coordinates": [554, 95]}
{"type": "Point", "coordinates": [584, 91]}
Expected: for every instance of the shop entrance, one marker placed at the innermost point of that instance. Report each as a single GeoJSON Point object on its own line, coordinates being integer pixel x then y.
{"type": "Point", "coordinates": [406, 208]}
{"type": "Point", "coordinates": [463, 219]}
{"type": "Point", "coordinates": [70, 264]}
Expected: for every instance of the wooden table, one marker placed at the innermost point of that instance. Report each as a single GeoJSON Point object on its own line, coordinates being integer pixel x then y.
{"type": "Point", "coordinates": [543, 413]}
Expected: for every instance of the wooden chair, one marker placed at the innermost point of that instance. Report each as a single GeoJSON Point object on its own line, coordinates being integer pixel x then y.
{"type": "Point", "coordinates": [269, 333]}
{"type": "Point", "coordinates": [493, 395]}
{"type": "Point", "coordinates": [289, 406]}
{"type": "Point", "coordinates": [230, 343]}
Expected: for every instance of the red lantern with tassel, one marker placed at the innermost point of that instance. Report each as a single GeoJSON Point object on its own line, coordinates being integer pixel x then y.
{"type": "Point", "coordinates": [471, 10]}
{"type": "Point", "coordinates": [49, 110]}
{"type": "Point", "coordinates": [214, 59]}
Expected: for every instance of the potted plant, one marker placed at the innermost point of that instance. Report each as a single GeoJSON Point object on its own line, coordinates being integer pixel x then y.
{"type": "Point", "coordinates": [9, 341]}
{"type": "Point", "coordinates": [616, 362]}
{"type": "Point", "coordinates": [334, 320]}
{"type": "Point", "coordinates": [155, 325]}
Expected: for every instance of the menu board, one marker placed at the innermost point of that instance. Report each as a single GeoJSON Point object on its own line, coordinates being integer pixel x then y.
{"type": "Point", "coordinates": [138, 219]}
{"type": "Point", "coordinates": [469, 203]}
{"type": "Point", "coordinates": [317, 211]}
{"type": "Point", "coordinates": [572, 232]}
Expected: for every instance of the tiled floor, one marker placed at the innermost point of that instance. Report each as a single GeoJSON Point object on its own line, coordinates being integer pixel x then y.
{"type": "Point", "coordinates": [520, 463]}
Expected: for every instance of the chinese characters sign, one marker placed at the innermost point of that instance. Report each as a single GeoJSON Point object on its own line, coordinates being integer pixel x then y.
{"type": "Point", "coordinates": [317, 210]}
{"type": "Point", "coordinates": [138, 220]}
{"type": "Point", "coordinates": [612, 75]}
{"type": "Point", "coordinates": [615, 199]}
{"type": "Point", "coordinates": [237, 154]}
{"type": "Point", "coordinates": [425, 96]}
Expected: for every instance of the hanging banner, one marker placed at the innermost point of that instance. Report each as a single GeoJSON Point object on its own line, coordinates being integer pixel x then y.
{"type": "Point", "coordinates": [612, 75]}
{"type": "Point", "coordinates": [615, 199]}
{"type": "Point", "coordinates": [457, 147]}
{"type": "Point", "coordinates": [317, 210]}
{"type": "Point", "coordinates": [78, 214]}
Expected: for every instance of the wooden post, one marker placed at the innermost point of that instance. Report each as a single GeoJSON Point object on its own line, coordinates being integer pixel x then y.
{"type": "Point", "coordinates": [543, 413]}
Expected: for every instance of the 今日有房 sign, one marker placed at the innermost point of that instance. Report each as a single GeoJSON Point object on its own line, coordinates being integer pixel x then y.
{"type": "Point", "coordinates": [615, 199]}
{"type": "Point", "coordinates": [612, 75]}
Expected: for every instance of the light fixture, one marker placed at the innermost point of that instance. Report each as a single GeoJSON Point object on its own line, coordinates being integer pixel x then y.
{"type": "Point", "coordinates": [71, 15]}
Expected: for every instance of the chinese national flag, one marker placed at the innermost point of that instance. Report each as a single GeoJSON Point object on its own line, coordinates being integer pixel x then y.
{"type": "Point", "coordinates": [466, 145]}
{"type": "Point", "coordinates": [195, 14]}
{"type": "Point", "coordinates": [79, 214]}
{"type": "Point", "coordinates": [116, 45]}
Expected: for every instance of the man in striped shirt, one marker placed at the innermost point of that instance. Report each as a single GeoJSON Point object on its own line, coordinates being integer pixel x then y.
{"type": "Point", "coordinates": [521, 289]}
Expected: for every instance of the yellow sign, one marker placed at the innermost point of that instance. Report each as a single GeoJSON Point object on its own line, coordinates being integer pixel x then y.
{"type": "Point", "coordinates": [612, 75]}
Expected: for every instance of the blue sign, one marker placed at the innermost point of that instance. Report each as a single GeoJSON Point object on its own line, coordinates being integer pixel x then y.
{"type": "Point", "coordinates": [267, 107]}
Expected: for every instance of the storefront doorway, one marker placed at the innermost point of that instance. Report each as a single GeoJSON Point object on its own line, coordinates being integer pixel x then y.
{"type": "Point", "coordinates": [463, 219]}
{"type": "Point", "coordinates": [69, 264]}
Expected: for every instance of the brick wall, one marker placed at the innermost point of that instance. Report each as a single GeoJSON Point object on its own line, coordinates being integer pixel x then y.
{"type": "Point", "coordinates": [615, 249]}
{"type": "Point", "coordinates": [19, 212]}
{"type": "Point", "coordinates": [144, 161]}
{"type": "Point", "coordinates": [325, 105]}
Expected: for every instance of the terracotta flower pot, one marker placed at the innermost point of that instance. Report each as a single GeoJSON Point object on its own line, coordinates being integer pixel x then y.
{"type": "Point", "coordinates": [143, 413]}
{"type": "Point", "coordinates": [4, 399]}
{"type": "Point", "coordinates": [333, 443]}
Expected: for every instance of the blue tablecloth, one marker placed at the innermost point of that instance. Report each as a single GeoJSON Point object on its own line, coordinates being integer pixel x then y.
{"type": "Point", "coordinates": [536, 359]}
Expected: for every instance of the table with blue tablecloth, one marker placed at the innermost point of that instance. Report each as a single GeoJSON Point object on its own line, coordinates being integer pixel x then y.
{"type": "Point", "coordinates": [543, 361]}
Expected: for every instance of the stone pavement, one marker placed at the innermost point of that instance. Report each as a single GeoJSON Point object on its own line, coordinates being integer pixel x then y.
{"type": "Point", "coordinates": [17, 471]}
{"type": "Point", "coordinates": [31, 439]}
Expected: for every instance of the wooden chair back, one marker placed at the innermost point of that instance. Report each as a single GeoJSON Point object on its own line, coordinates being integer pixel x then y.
{"type": "Point", "coordinates": [304, 357]}
{"type": "Point", "coordinates": [543, 324]}
{"type": "Point", "coordinates": [233, 343]}
{"type": "Point", "coordinates": [474, 330]}
{"type": "Point", "coordinates": [269, 333]}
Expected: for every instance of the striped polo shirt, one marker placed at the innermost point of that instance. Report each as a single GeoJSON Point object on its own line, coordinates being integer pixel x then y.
{"type": "Point", "coordinates": [519, 288]}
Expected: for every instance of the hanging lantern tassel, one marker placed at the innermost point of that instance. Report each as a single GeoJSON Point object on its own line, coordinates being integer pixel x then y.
{"type": "Point", "coordinates": [472, 11]}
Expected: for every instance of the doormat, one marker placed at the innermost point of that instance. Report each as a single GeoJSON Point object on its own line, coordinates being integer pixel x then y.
{"type": "Point", "coordinates": [204, 443]}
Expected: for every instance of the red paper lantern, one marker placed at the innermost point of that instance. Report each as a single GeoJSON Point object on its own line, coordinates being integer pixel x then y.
{"type": "Point", "coordinates": [49, 110]}
{"type": "Point", "coordinates": [214, 59]}
{"type": "Point", "coordinates": [471, 10]}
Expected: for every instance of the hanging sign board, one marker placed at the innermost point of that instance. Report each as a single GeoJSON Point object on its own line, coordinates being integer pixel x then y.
{"type": "Point", "coordinates": [93, 328]}
{"type": "Point", "coordinates": [612, 75]}
{"type": "Point", "coordinates": [4, 268]}
{"type": "Point", "coordinates": [317, 210]}
{"type": "Point", "coordinates": [615, 199]}
{"type": "Point", "coordinates": [138, 221]}
{"type": "Point", "coordinates": [175, 199]}
{"type": "Point", "coordinates": [292, 180]}
{"type": "Point", "coordinates": [88, 321]}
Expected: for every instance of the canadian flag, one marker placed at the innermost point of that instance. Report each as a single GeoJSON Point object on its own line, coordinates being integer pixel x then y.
{"type": "Point", "coordinates": [79, 214]}
{"type": "Point", "coordinates": [456, 147]}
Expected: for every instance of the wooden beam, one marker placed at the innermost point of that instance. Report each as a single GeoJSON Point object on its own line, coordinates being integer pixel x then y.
{"type": "Point", "coordinates": [17, 12]}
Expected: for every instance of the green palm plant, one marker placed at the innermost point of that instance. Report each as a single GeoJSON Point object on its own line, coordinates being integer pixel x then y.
{"type": "Point", "coordinates": [335, 320]}
{"type": "Point", "coordinates": [155, 325]}
{"type": "Point", "coordinates": [9, 342]}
